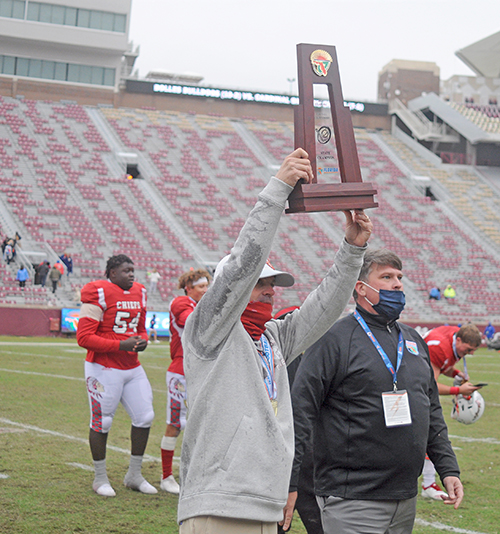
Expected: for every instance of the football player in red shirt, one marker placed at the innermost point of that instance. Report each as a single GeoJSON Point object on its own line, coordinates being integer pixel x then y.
{"type": "Point", "coordinates": [195, 285]}
{"type": "Point", "coordinates": [112, 329]}
{"type": "Point", "coordinates": [447, 346]}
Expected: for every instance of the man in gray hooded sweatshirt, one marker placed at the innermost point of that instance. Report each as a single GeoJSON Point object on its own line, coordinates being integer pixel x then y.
{"type": "Point", "coordinates": [238, 443]}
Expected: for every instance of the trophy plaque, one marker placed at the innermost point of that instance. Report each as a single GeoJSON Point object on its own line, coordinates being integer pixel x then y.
{"type": "Point", "coordinates": [317, 64]}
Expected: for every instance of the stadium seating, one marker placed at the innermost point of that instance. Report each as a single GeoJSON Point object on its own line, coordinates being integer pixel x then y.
{"type": "Point", "coordinates": [64, 184]}
{"type": "Point", "coordinates": [485, 117]}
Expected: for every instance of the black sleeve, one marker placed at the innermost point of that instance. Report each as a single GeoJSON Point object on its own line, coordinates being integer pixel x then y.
{"type": "Point", "coordinates": [311, 386]}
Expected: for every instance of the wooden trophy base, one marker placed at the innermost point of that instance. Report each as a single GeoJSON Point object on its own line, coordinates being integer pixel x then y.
{"type": "Point", "coordinates": [331, 197]}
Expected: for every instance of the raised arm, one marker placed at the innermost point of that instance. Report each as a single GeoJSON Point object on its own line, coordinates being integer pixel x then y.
{"type": "Point", "coordinates": [225, 301]}
{"type": "Point", "coordinates": [326, 303]}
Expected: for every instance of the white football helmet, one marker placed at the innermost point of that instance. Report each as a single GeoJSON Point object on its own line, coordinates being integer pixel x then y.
{"type": "Point", "coordinates": [468, 410]}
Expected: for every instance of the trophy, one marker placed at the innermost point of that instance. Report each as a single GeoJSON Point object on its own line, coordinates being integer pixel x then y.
{"type": "Point", "coordinates": [317, 64]}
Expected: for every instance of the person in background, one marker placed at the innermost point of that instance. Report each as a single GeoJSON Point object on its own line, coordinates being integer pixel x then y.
{"type": "Point", "coordinates": [447, 346]}
{"type": "Point", "coordinates": [435, 293]}
{"type": "Point", "coordinates": [112, 329]}
{"type": "Point", "coordinates": [306, 503]}
{"type": "Point", "coordinates": [489, 331]}
{"type": "Point", "coordinates": [43, 271]}
{"type": "Point", "coordinates": [22, 276]}
{"type": "Point", "coordinates": [8, 253]}
{"type": "Point", "coordinates": [59, 266]}
{"type": "Point", "coordinates": [54, 277]}
{"type": "Point", "coordinates": [77, 296]}
{"type": "Point", "coordinates": [449, 293]}
{"type": "Point", "coordinates": [68, 261]}
{"type": "Point", "coordinates": [194, 283]}
{"type": "Point", "coordinates": [154, 278]}
{"type": "Point", "coordinates": [152, 329]}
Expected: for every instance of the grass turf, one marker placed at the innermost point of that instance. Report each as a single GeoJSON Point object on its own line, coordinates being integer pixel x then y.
{"type": "Point", "coordinates": [44, 486]}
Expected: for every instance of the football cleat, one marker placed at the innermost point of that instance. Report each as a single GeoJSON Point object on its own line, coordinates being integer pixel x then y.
{"type": "Point", "coordinates": [144, 486]}
{"type": "Point", "coordinates": [170, 485]}
{"type": "Point", "coordinates": [105, 490]}
{"type": "Point", "coordinates": [433, 492]}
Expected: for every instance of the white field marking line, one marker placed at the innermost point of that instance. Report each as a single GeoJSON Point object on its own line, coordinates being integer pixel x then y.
{"type": "Point", "coordinates": [477, 365]}
{"type": "Point", "coordinates": [156, 367]}
{"type": "Point", "coordinates": [74, 345]}
{"type": "Point", "coordinates": [441, 526]}
{"type": "Point", "coordinates": [493, 404]}
{"type": "Point", "coordinates": [54, 357]}
{"type": "Point", "coordinates": [3, 475]}
{"type": "Point", "coordinates": [5, 430]}
{"type": "Point", "coordinates": [475, 440]}
{"type": "Point", "coordinates": [81, 466]}
{"type": "Point", "coordinates": [42, 374]}
{"type": "Point", "coordinates": [147, 457]}
{"type": "Point", "coordinates": [34, 344]}
{"type": "Point", "coordinates": [37, 355]}
{"type": "Point", "coordinates": [78, 379]}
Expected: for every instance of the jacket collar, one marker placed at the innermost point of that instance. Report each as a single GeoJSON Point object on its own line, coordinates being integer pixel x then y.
{"type": "Point", "coordinates": [376, 321]}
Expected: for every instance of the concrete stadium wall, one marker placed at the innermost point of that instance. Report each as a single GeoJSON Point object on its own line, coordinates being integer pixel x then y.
{"type": "Point", "coordinates": [36, 90]}
{"type": "Point", "coordinates": [24, 321]}
{"type": "Point", "coordinates": [92, 96]}
{"type": "Point", "coordinates": [17, 321]}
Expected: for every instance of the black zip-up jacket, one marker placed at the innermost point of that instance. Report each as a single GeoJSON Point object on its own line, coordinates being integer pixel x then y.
{"type": "Point", "coordinates": [337, 394]}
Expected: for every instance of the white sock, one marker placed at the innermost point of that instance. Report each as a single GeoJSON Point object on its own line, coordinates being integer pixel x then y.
{"type": "Point", "coordinates": [134, 476]}
{"type": "Point", "coordinates": [429, 473]}
{"type": "Point", "coordinates": [168, 443]}
{"type": "Point", "coordinates": [101, 475]}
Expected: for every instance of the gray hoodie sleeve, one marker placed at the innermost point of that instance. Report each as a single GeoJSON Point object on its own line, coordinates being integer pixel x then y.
{"type": "Point", "coordinates": [323, 306]}
{"type": "Point", "coordinates": [227, 298]}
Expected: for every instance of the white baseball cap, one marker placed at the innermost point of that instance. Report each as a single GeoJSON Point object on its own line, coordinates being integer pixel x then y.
{"type": "Point", "coordinates": [283, 279]}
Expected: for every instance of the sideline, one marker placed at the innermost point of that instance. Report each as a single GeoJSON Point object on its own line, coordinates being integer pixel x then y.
{"type": "Point", "coordinates": [440, 526]}
{"type": "Point", "coordinates": [147, 457]}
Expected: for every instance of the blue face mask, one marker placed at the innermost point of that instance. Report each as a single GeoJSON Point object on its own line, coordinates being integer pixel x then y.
{"type": "Point", "coordinates": [390, 304]}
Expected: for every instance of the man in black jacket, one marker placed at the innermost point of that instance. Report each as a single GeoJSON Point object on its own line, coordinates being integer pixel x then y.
{"type": "Point", "coordinates": [366, 390]}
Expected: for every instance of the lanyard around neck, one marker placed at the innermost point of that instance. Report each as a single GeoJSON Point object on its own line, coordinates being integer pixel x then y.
{"type": "Point", "coordinates": [381, 351]}
{"type": "Point", "coordinates": [267, 359]}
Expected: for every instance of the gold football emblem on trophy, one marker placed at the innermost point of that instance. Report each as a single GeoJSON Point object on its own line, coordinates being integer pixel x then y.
{"type": "Point", "coordinates": [320, 62]}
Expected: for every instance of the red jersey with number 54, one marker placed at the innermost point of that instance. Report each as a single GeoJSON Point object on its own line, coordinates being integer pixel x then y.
{"type": "Point", "coordinates": [108, 315]}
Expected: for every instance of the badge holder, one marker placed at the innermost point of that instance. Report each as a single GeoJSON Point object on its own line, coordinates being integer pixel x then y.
{"type": "Point", "coordinates": [396, 408]}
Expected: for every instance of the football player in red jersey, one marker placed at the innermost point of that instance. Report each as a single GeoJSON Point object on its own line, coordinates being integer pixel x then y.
{"type": "Point", "coordinates": [447, 346]}
{"type": "Point", "coordinates": [112, 329]}
{"type": "Point", "coordinates": [195, 284]}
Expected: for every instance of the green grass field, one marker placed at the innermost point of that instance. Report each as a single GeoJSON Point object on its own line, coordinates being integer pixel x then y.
{"type": "Point", "coordinates": [45, 463]}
